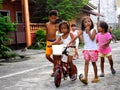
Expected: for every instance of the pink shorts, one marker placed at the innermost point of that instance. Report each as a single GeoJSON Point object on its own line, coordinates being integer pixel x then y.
{"type": "Point", "coordinates": [90, 55]}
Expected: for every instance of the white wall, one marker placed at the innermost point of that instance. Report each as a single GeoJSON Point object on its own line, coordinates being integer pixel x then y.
{"type": "Point", "coordinates": [108, 9]}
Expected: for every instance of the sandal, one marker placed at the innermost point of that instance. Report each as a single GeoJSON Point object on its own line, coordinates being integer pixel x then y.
{"type": "Point", "coordinates": [95, 80]}
{"type": "Point", "coordinates": [85, 81]}
{"type": "Point", "coordinates": [101, 75]}
{"type": "Point", "coordinates": [113, 71]}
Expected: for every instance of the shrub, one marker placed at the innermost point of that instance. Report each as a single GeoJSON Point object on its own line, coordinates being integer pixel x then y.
{"type": "Point", "coordinates": [39, 42]}
{"type": "Point", "coordinates": [116, 32]}
{"type": "Point", "coordinates": [6, 26]}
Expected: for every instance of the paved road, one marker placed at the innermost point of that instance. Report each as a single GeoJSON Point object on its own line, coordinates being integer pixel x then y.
{"type": "Point", "coordinates": [34, 74]}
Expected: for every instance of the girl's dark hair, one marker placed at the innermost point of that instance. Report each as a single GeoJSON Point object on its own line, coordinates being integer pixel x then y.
{"type": "Point", "coordinates": [58, 21]}
{"type": "Point", "coordinates": [82, 23]}
{"type": "Point", "coordinates": [53, 12]}
{"type": "Point", "coordinates": [64, 23]}
{"type": "Point", "coordinates": [73, 25]}
{"type": "Point", "coordinates": [103, 25]}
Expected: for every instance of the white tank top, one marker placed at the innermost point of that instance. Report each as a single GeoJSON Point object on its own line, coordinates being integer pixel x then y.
{"type": "Point", "coordinates": [89, 44]}
{"type": "Point", "coordinates": [66, 40]}
{"type": "Point", "coordinates": [75, 33]}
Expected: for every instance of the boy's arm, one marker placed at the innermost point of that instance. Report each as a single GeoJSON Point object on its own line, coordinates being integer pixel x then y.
{"type": "Point", "coordinates": [57, 41]}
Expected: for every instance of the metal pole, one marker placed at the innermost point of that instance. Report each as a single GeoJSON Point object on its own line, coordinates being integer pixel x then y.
{"type": "Point", "coordinates": [99, 10]}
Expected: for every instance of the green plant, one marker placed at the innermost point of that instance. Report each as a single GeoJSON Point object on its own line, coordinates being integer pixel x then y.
{"type": "Point", "coordinates": [68, 9]}
{"type": "Point", "coordinates": [6, 26]}
{"type": "Point", "coordinates": [39, 42]}
{"type": "Point", "coordinates": [116, 32]}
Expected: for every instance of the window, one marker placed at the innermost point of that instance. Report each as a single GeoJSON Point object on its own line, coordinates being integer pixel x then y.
{"type": "Point", "coordinates": [4, 13]}
{"type": "Point", "coordinates": [18, 17]}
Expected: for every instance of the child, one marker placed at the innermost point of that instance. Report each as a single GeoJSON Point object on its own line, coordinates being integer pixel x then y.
{"type": "Point", "coordinates": [64, 39]}
{"type": "Point", "coordinates": [51, 34]}
{"type": "Point", "coordinates": [90, 48]}
{"type": "Point", "coordinates": [103, 38]}
{"type": "Point", "coordinates": [113, 36]}
{"type": "Point", "coordinates": [75, 33]}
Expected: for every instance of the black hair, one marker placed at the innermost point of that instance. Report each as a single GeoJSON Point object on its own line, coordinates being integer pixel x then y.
{"type": "Point", "coordinates": [53, 12]}
{"type": "Point", "coordinates": [64, 23]}
{"type": "Point", "coordinates": [103, 25]}
{"type": "Point", "coordinates": [73, 25]}
{"type": "Point", "coordinates": [82, 23]}
{"type": "Point", "coordinates": [58, 21]}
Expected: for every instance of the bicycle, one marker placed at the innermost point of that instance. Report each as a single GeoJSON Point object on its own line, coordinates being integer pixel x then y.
{"type": "Point", "coordinates": [62, 69]}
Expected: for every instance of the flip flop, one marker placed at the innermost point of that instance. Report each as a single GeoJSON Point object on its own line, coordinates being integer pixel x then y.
{"type": "Point", "coordinates": [83, 80]}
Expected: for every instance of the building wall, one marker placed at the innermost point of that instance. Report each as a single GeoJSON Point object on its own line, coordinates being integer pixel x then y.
{"type": "Point", "coordinates": [108, 9]}
{"type": "Point", "coordinates": [12, 7]}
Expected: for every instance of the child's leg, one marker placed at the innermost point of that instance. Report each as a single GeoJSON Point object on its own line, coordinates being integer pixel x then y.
{"type": "Point", "coordinates": [110, 61]}
{"type": "Point", "coordinates": [49, 58]}
{"type": "Point", "coordinates": [111, 64]}
{"type": "Point", "coordinates": [95, 70]}
{"type": "Point", "coordinates": [96, 79]}
{"type": "Point", "coordinates": [86, 65]}
{"type": "Point", "coordinates": [70, 62]}
{"type": "Point", "coordinates": [86, 68]}
{"type": "Point", "coordinates": [76, 54]}
{"type": "Point", "coordinates": [73, 68]}
{"type": "Point", "coordinates": [102, 64]}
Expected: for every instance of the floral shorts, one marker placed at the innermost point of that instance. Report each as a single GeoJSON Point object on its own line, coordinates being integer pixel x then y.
{"type": "Point", "coordinates": [90, 55]}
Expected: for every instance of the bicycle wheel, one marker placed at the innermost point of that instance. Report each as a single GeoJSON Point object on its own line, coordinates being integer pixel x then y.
{"type": "Point", "coordinates": [57, 78]}
{"type": "Point", "coordinates": [75, 69]}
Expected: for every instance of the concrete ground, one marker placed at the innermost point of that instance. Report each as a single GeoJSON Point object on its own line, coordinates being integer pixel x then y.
{"type": "Point", "coordinates": [34, 73]}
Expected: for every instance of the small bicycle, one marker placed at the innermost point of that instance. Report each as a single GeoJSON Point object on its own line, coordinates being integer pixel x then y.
{"type": "Point", "coordinates": [62, 69]}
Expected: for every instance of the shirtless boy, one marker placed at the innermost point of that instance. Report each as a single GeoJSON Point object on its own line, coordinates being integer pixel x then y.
{"type": "Point", "coordinates": [51, 34]}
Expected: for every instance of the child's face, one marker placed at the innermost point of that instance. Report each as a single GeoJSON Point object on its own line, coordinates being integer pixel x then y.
{"type": "Point", "coordinates": [87, 22]}
{"type": "Point", "coordinates": [57, 26]}
{"type": "Point", "coordinates": [52, 18]}
{"type": "Point", "coordinates": [100, 29]}
{"type": "Point", "coordinates": [64, 29]}
{"type": "Point", "coordinates": [73, 27]}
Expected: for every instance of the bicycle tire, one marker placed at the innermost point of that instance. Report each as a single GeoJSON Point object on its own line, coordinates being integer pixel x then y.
{"type": "Point", "coordinates": [57, 78]}
{"type": "Point", "coordinates": [70, 75]}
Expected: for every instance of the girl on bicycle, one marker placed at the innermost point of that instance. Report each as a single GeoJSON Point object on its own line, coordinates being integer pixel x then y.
{"type": "Point", "coordinates": [64, 39]}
